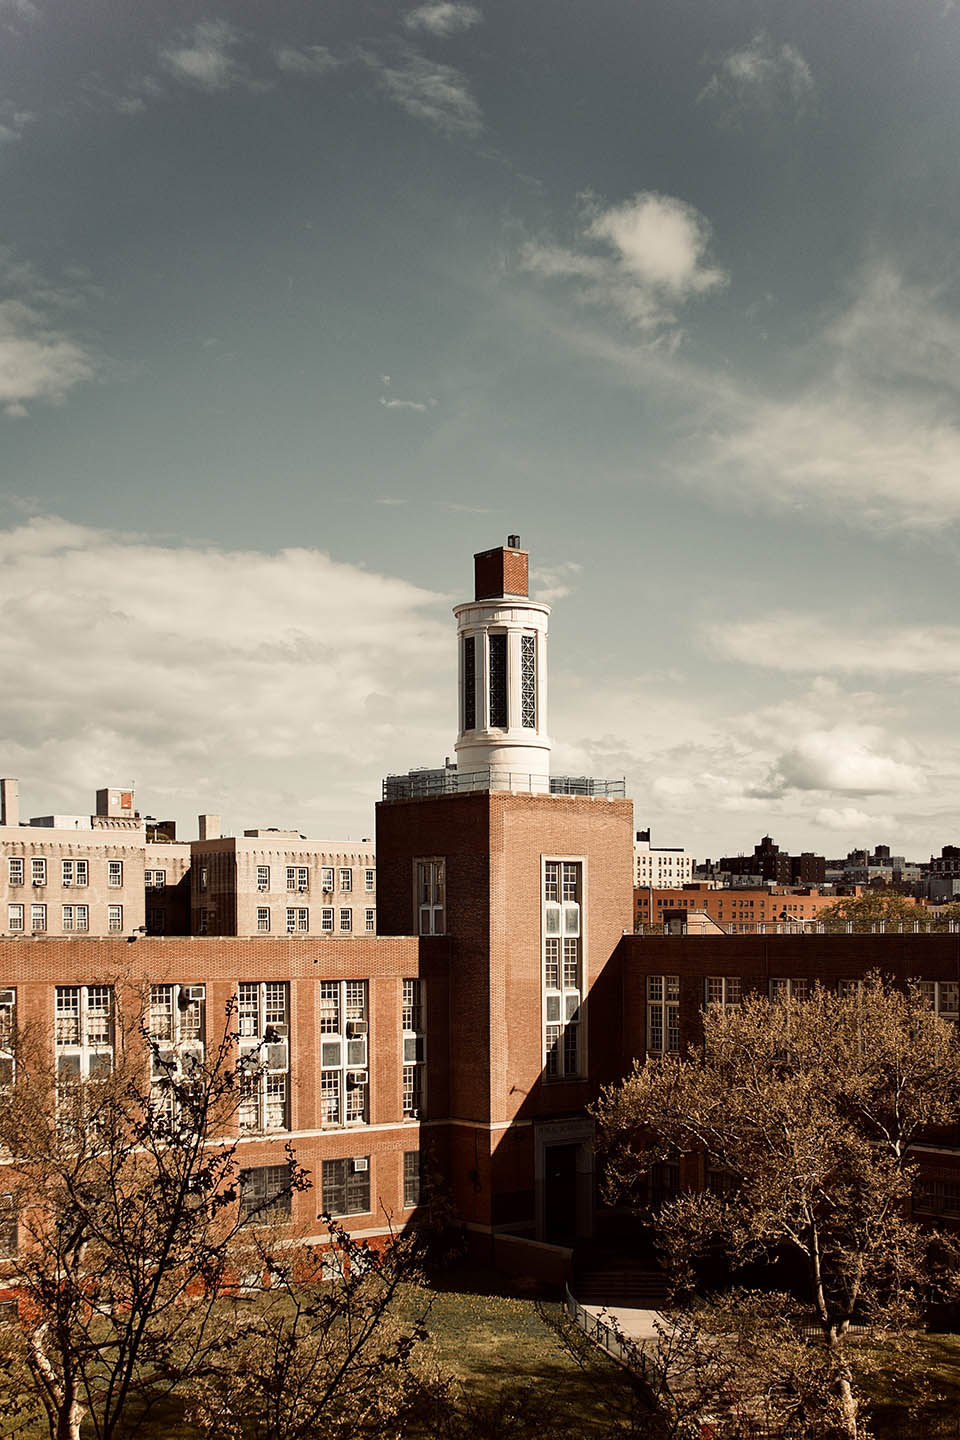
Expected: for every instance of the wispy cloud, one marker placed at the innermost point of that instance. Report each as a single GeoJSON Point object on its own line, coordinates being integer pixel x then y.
{"type": "Point", "coordinates": [394, 404]}
{"type": "Point", "coordinates": [304, 59]}
{"type": "Point", "coordinates": [805, 644]}
{"type": "Point", "coordinates": [557, 581]}
{"type": "Point", "coordinates": [21, 10]}
{"type": "Point", "coordinates": [762, 76]}
{"type": "Point", "coordinates": [437, 94]}
{"type": "Point", "coordinates": [206, 57]}
{"type": "Point", "coordinates": [13, 122]}
{"type": "Point", "coordinates": [641, 259]}
{"type": "Point", "coordinates": [39, 358]}
{"type": "Point", "coordinates": [278, 697]}
{"type": "Point", "coordinates": [442, 18]}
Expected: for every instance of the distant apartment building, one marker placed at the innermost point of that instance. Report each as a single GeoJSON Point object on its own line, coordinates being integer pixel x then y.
{"type": "Point", "coordinates": [276, 882]}
{"type": "Point", "coordinates": [943, 876]}
{"type": "Point", "coordinates": [72, 874]}
{"type": "Point", "coordinates": [740, 911]}
{"type": "Point", "coordinates": [660, 865]}
{"type": "Point", "coordinates": [769, 865]}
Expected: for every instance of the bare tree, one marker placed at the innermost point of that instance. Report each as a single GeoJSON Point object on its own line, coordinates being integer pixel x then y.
{"type": "Point", "coordinates": [807, 1114]}
{"type": "Point", "coordinates": [127, 1188]}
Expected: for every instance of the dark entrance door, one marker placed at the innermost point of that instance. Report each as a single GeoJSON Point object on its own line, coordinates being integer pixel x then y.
{"type": "Point", "coordinates": [560, 1194]}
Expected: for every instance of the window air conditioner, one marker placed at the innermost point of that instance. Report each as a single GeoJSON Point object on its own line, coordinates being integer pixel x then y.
{"type": "Point", "coordinates": [67, 884]}
{"type": "Point", "coordinates": [261, 888]}
{"type": "Point", "coordinates": [356, 1028]}
{"type": "Point", "coordinates": [39, 882]}
{"type": "Point", "coordinates": [356, 1079]}
{"type": "Point", "coordinates": [194, 992]}
{"type": "Point", "coordinates": [360, 1162]}
{"type": "Point", "coordinates": [302, 889]}
{"type": "Point", "coordinates": [8, 998]}
{"type": "Point", "coordinates": [416, 1113]}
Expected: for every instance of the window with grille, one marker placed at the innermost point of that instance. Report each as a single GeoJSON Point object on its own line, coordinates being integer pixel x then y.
{"type": "Point", "coordinates": [298, 877]}
{"type": "Point", "coordinates": [942, 997]}
{"type": "Point", "coordinates": [14, 918]}
{"type": "Point", "coordinates": [8, 1035]}
{"type": "Point", "coordinates": [414, 1042]}
{"type": "Point", "coordinates": [326, 877]}
{"type": "Point", "coordinates": [346, 879]}
{"type": "Point", "coordinates": [498, 681]}
{"type": "Point", "coordinates": [562, 970]}
{"type": "Point", "coordinates": [346, 1186]}
{"type": "Point", "coordinates": [76, 872]}
{"type": "Point", "coordinates": [83, 1043]}
{"type": "Point", "coordinates": [369, 879]}
{"type": "Point", "coordinates": [263, 877]}
{"type": "Point", "coordinates": [469, 682]}
{"type": "Point", "coordinates": [369, 921]}
{"type": "Point", "coordinates": [326, 918]}
{"type": "Point", "coordinates": [431, 897]}
{"type": "Point", "coordinates": [264, 1029]}
{"type": "Point", "coordinates": [175, 1029]}
{"type": "Point", "coordinates": [346, 921]}
{"type": "Point", "coordinates": [154, 879]}
{"type": "Point", "coordinates": [663, 1014]}
{"type": "Point", "coordinates": [723, 990]}
{"type": "Point", "coordinates": [114, 918]}
{"type": "Point", "coordinates": [411, 1178]}
{"type": "Point", "coordinates": [114, 872]}
{"type": "Point", "coordinates": [38, 917]}
{"type": "Point", "coordinates": [265, 1194]}
{"type": "Point", "coordinates": [38, 872]}
{"type": "Point", "coordinates": [344, 1050]}
{"type": "Point", "coordinates": [528, 681]}
{"type": "Point", "coordinates": [15, 870]}
{"type": "Point", "coordinates": [263, 920]}
{"type": "Point", "coordinates": [783, 988]}
{"type": "Point", "coordinates": [298, 920]}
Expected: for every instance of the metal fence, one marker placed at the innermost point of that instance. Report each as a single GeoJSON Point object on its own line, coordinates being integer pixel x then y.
{"type": "Point", "coordinates": [606, 1336]}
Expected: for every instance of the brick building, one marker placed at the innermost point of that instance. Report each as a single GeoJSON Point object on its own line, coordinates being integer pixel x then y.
{"type": "Point", "coordinates": [739, 911]}
{"type": "Point", "coordinates": [501, 989]}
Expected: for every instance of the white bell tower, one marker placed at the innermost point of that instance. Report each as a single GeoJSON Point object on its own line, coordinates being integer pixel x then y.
{"type": "Point", "coordinates": [502, 638]}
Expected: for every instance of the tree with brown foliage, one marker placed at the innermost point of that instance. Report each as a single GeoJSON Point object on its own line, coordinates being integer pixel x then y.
{"type": "Point", "coordinates": [126, 1185]}
{"type": "Point", "coordinates": [810, 1110]}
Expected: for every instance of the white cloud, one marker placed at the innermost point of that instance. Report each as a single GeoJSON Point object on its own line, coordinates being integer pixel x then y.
{"type": "Point", "coordinates": [805, 643]}
{"type": "Point", "coordinates": [437, 94]}
{"type": "Point", "coordinates": [392, 404]}
{"type": "Point", "coordinates": [653, 257]}
{"type": "Point", "coordinates": [849, 819]}
{"type": "Point", "coordinates": [13, 122]}
{"type": "Point", "coordinates": [21, 10]}
{"type": "Point", "coordinates": [847, 760]}
{"type": "Point", "coordinates": [555, 582]}
{"type": "Point", "coordinates": [762, 76]}
{"type": "Point", "coordinates": [289, 719]}
{"type": "Point", "coordinates": [304, 60]}
{"type": "Point", "coordinates": [39, 359]}
{"type": "Point", "coordinates": [205, 58]}
{"type": "Point", "coordinates": [442, 18]}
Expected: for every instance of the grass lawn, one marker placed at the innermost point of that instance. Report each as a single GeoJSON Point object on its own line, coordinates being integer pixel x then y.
{"type": "Point", "coordinates": [911, 1386]}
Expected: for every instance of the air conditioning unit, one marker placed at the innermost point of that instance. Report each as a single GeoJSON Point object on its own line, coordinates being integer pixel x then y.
{"type": "Point", "coordinates": [356, 1028]}
{"type": "Point", "coordinates": [291, 927]}
{"type": "Point", "coordinates": [360, 1163]}
{"type": "Point", "coordinates": [356, 1079]}
{"type": "Point", "coordinates": [194, 992]}
{"type": "Point", "coordinates": [416, 1113]}
{"type": "Point", "coordinates": [302, 889]}
{"type": "Point", "coordinates": [67, 884]}
{"type": "Point", "coordinates": [261, 888]}
{"type": "Point", "coordinates": [8, 998]}
{"type": "Point", "coordinates": [39, 882]}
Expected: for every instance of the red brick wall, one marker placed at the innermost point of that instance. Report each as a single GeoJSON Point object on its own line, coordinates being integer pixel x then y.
{"type": "Point", "coordinates": [500, 572]}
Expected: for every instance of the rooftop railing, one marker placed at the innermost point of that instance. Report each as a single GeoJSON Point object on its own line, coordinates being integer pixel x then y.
{"type": "Point", "coordinates": [423, 784]}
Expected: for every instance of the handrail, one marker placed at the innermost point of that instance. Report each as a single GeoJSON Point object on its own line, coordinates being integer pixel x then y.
{"type": "Point", "coordinates": [607, 1337]}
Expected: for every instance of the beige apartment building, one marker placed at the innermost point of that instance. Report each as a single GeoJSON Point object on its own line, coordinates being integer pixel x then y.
{"type": "Point", "coordinates": [72, 874]}
{"type": "Point", "coordinates": [277, 882]}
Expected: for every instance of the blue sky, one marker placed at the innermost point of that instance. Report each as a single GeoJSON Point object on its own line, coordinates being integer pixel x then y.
{"type": "Point", "coordinates": [302, 305]}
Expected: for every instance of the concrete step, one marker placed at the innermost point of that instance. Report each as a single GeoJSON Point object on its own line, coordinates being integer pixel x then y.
{"type": "Point", "coordinates": [621, 1287]}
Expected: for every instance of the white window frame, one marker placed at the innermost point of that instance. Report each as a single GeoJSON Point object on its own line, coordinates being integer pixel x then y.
{"type": "Point", "coordinates": [326, 919]}
{"type": "Point", "coordinates": [115, 874]}
{"type": "Point", "coordinates": [38, 870]}
{"type": "Point", "coordinates": [663, 1015]}
{"type": "Point", "coordinates": [413, 1047]}
{"type": "Point", "coordinates": [298, 878]}
{"type": "Point", "coordinates": [430, 894]}
{"type": "Point", "coordinates": [942, 997]}
{"type": "Point", "coordinates": [8, 1036]}
{"type": "Point", "coordinates": [370, 920]}
{"type": "Point", "coordinates": [345, 878]}
{"type": "Point", "coordinates": [263, 920]}
{"type": "Point", "coordinates": [563, 1036]}
{"type": "Point", "coordinates": [115, 919]}
{"type": "Point", "coordinates": [263, 878]}
{"type": "Point", "coordinates": [263, 1022]}
{"type": "Point", "coordinates": [15, 920]}
{"type": "Point", "coordinates": [326, 878]}
{"type": "Point", "coordinates": [38, 918]}
{"type": "Point", "coordinates": [344, 1053]}
{"type": "Point", "coordinates": [723, 990]}
{"type": "Point", "coordinates": [298, 920]}
{"type": "Point", "coordinates": [16, 869]}
{"type": "Point", "coordinates": [341, 1174]}
{"type": "Point", "coordinates": [369, 879]}
{"type": "Point", "coordinates": [783, 987]}
{"type": "Point", "coordinates": [84, 1021]}
{"type": "Point", "coordinates": [74, 872]}
{"type": "Point", "coordinates": [345, 918]}
{"type": "Point", "coordinates": [176, 1027]}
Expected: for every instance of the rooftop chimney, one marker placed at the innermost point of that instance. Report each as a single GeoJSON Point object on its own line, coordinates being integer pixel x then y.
{"type": "Point", "coordinates": [502, 571]}
{"type": "Point", "coordinates": [9, 802]}
{"type": "Point", "coordinates": [209, 827]}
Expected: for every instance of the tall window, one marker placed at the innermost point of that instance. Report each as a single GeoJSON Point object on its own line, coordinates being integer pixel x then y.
{"type": "Point", "coordinates": [38, 917]}
{"type": "Point", "coordinates": [9, 1228]}
{"type": "Point", "coordinates": [469, 682]}
{"type": "Point", "coordinates": [346, 1186]}
{"type": "Point", "coordinates": [263, 920]}
{"type": "Point", "coordinates": [411, 1178]}
{"type": "Point", "coordinates": [343, 1052]}
{"type": "Point", "coordinates": [498, 681]}
{"type": "Point", "coordinates": [38, 872]}
{"type": "Point", "coordinates": [15, 919]}
{"type": "Point", "coordinates": [263, 877]}
{"type": "Point", "coordinates": [941, 996]}
{"type": "Point", "coordinates": [83, 1033]}
{"type": "Point", "coordinates": [431, 897]}
{"type": "Point", "coordinates": [175, 1025]}
{"type": "Point", "coordinates": [263, 1022]}
{"type": "Point", "coordinates": [15, 867]}
{"type": "Point", "coordinates": [8, 1032]}
{"type": "Point", "coordinates": [413, 1020]}
{"type": "Point", "coordinates": [562, 968]}
{"type": "Point", "coordinates": [298, 877]}
{"type": "Point", "coordinates": [369, 921]}
{"type": "Point", "coordinates": [369, 879]}
{"type": "Point", "coordinates": [528, 681]}
{"type": "Point", "coordinates": [346, 921]}
{"type": "Point", "coordinates": [346, 878]}
{"type": "Point", "coordinates": [114, 918]}
{"type": "Point", "coordinates": [663, 1014]}
{"type": "Point", "coordinates": [115, 872]}
{"type": "Point", "coordinates": [326, 918]}
{"type": "Point", "coordinates": [326, 877]}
